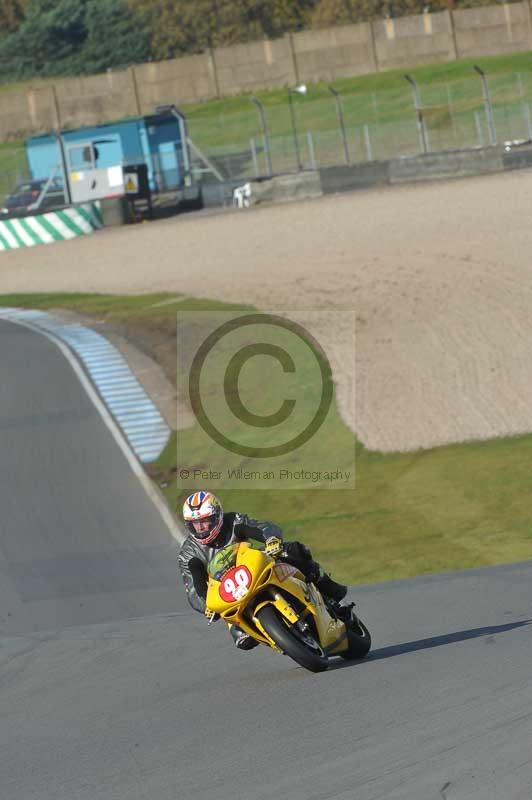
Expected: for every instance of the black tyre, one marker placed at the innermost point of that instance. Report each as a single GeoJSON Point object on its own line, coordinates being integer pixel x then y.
{"type": "Point", "coordinates": [302, 648]}
{"type": "Point", "coordinates": [359, 640]}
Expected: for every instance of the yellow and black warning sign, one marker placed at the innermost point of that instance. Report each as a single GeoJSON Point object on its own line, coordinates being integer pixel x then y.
{"type": "Point", "coordinates": [136, 183]}
{"type": "Point", "coordinates": [132, 183]}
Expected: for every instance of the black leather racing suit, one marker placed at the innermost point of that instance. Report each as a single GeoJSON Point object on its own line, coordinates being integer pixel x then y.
{"type": "Point", "coordinates": [194, 557]}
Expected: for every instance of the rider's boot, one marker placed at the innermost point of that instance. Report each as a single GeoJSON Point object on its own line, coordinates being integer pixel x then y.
{"type": "Point", "coordinates": [329, 588]}
{"type": "Point", "coordinates": [343, 613]}
{"type": "Point", "coordinates": [242, 640]}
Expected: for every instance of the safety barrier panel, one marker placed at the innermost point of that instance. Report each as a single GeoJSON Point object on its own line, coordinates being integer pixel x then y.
{"type": "Point", "coordinates": [423, 167]}
{"type": "Point", "coordinates": [53, 226]}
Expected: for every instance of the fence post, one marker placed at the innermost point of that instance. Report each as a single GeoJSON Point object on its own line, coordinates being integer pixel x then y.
{"type": "Point", "coordinates": [254, 157]}
{"type": "Point", "coordinates": [453, 34]}
{"type": "Point", "coordinates": [214, 68]}
{"type": "Point", "coordinates": [488, 108]}
{"type": "Point", "coordinates": [265, 134]}
{"type": "Point", "coordinates": [340, 115]}
{"type": "Point", "coordinates": [478, 124]}
{"type": "Point", "coordinates": [56, 107]}
{"type": "Point", "coordinates": [295, 65]}
{"type": "Point", "coordinates": [529, 4]}
{"type": "Point", "coordinates": [373, 47]}
{"type": "Point", "coordinates": [311, 150]}
{"type": "Point", "coordinates": [528, 119]}
{"type": "Point", "coordinates": [301, 90]}
{"type": "Point", "coordinates": [367, 140]}
{"type": "Point", "coordinates": [423, 135]}
{"type": "Point", "coordinates": [451, 114]}
{"type": "Point", "coordinates": [135, 90]}
{"type": "Point", "coordinates": [63, 166]}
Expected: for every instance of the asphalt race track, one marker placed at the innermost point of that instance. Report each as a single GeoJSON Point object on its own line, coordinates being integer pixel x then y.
{"type": "Point", "coordinates": [80, 541]}
{"type": "Point", "coordinates": [110, 688]}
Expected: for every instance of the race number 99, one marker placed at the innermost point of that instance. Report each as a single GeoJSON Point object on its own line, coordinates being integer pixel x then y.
{"type": "Point", "coordinates": [235, 584]}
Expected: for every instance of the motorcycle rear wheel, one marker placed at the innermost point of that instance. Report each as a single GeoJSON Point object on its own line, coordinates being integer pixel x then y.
{"type": "Point", "coordinates": [308, 654]}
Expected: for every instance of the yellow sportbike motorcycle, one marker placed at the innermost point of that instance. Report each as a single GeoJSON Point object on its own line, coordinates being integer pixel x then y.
{"type": "Point", "coordinates": [271, 601]}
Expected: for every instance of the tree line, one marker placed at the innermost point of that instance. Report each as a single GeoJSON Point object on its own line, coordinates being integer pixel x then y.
{"type": "Point", "coordinates": [43, 38]}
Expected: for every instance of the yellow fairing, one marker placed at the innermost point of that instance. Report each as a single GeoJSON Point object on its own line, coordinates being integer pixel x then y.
{"type": "Point", "coordinates": [275, 581]}
{"type": "Point", "coordinates": [260, 566]}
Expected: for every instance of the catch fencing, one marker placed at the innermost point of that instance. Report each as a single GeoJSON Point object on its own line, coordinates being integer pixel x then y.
{"type": "Point", "coordinates": [331, 125]}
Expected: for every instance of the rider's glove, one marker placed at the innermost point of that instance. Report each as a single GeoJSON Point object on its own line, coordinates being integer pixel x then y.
{"type": "Point", "coordinates": [273, 546]}
{"type": "Point", "coordinates": [212, 616]}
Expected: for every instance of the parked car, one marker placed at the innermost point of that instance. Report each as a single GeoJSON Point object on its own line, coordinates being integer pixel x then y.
{"type": "Point", "coordinates": [24, 198]}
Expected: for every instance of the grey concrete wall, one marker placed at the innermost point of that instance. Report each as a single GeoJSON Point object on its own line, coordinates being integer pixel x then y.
{"type": "Point", "coordinates": [181, 80]}
{"type": "Point", "coordinates": [491, 30]}
{"type": "Point", "coordinates": [68, 103]}
{"type": "Point", "coordinates": [91, 99]}
{"type": "Point", "coordinates": [334, 53]}
{"type": "Point", "coordinates": [285, 188]}
{"type": "Point", "coordinates": [43, 108]}
{"type": "Point", "coordinates": [408, 41]}
{"type": "Point", "coordinates": [23, 112]}
{"type": "Point", "coordinates": [256, 65]}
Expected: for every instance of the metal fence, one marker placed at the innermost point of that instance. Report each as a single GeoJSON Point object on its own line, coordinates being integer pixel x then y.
{"type": "Point", "coordinates": [332, 126]}
{"type": "Point", "coordinates": [326, 126]}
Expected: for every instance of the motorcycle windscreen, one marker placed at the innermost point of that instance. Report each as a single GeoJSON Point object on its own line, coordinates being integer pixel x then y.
{"type": "Point", "coordinates": [222, 561]}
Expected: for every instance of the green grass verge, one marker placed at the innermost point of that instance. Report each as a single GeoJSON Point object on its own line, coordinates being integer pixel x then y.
{"type": "Point", "coordinates": [13, 165]}
{"type": "Point", "coordinates": [7, 151]}
{"type": "Point", "coordinates": [149, 309]}
{"type": "Point", "coordinates": [379, 98]}
{"type": "Point", "coordinates": [447, 508]}
{"type": "Point", "coordinates": [453, 507]}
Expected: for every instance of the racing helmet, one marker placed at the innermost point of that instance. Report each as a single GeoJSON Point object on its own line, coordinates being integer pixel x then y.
{"type": "Point", "coordinates": [203, 515]}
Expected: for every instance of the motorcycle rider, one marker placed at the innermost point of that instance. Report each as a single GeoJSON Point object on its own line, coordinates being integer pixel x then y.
{"type": "Point", "coordinates": [210, 528]}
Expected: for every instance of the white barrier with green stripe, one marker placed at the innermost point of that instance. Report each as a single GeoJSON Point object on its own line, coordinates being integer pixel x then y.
{"type": "Point", "coordinates": [54, 226]}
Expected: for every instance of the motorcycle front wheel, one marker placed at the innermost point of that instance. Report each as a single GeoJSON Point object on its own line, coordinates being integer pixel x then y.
{"type": "Point", "coordinates": [302, 648]}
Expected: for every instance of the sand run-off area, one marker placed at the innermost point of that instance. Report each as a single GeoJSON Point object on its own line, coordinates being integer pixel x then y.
{"type": "Point", "coordinates": [438, 276]}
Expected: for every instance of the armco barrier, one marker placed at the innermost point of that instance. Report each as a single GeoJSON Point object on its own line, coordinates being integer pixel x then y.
{"type": "Point", "coordinates": [517, 159]}
{"type": "Point", "coordinates": [54, 226]}
{"type": "Point", "coordinates": [452, 164]}
{"type": "Point", "coordinates": [423, 167]}
{"type": "Point", "coordinates": [432, 166]}
{"type": "Point", "coordinates": [358, 176]}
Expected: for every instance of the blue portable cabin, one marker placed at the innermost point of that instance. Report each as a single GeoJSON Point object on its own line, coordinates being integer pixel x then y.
{"type": "Point", "coordinates": [156, 140]}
